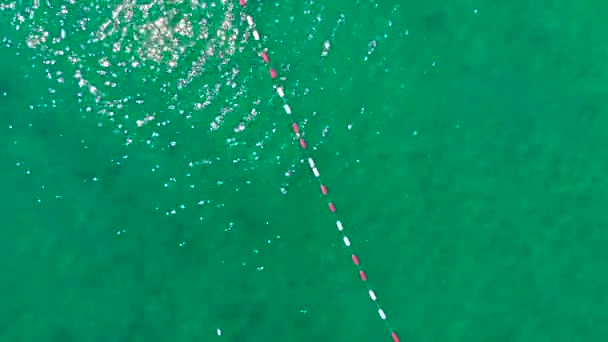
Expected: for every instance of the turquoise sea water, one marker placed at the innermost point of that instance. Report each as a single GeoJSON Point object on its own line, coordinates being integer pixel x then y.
{"type": "Point", "coordinates": [463, 143]}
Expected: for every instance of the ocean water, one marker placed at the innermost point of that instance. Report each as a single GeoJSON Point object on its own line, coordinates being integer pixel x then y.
{"type": "Point", "coordinates": [152, 189]}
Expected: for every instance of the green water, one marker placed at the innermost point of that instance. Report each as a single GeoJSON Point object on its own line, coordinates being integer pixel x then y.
{"type": "Point", "coordinates": [471, 183]}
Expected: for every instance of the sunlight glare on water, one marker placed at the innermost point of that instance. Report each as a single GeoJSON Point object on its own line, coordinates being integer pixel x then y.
{"type": "Point", "coordinates": [181, 87]}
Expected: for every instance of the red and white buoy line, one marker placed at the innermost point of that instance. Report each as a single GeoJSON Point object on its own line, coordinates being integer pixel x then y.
{"type": "Point", "coordinates": [315, 171]}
